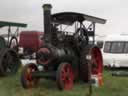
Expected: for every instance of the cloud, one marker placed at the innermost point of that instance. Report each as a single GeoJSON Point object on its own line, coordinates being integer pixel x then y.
{"type": "Point", "coordinates": [30, 12]}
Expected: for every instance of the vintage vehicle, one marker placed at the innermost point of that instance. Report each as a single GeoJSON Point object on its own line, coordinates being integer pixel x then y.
{"type": "Point", "coordinates": [115, 51]}
{"type": "Point", "coordinates": [9, 59]}
{"type": "Point", "coordinates": [30, 42]}
{"type": "Point", "coordinates": [66, 55]}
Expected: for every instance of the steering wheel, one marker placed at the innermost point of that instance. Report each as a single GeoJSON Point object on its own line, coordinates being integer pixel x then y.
{"type": "Point", "coordinates": [60, 36]}
{"type": "Point", "coordinates": [81, 36]}
{"type": "Point", "coordinates": [14, 43]}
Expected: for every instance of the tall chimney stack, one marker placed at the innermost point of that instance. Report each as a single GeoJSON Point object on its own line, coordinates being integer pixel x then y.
{"type": "Point", "coordinates": [47, 22]}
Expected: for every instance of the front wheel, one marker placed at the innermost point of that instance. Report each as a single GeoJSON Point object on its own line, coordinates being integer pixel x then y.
{"type": "Point", "coordinates": [65, 76]}
{"type": "Point", "coordinates": [27, 80]}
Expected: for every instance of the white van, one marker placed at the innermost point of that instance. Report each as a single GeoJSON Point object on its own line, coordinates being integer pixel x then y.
{"type": "Point", "coordinates": [115, 51]}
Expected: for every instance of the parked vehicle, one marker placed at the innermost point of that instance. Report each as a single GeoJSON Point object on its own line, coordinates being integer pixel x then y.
{"type": "Point", "coordinates": [30, 42]}
{"type": "Point", "coordinates": [115, 51]}
{"type": "Point", "coordinates": [9, 59]}
{"type": "Point", "coordinates": [65, 56]}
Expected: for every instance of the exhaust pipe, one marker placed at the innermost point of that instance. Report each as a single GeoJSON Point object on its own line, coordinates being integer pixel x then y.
{"type": "Point", "coordinates": [47, 22]}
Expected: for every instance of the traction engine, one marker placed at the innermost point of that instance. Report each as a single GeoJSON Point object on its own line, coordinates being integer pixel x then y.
{"type": "Point", "coordinates": [66, 55]}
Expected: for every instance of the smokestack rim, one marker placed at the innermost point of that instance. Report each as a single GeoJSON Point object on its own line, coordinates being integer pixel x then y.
{"type": "Point", "coordinates": [47, 6]}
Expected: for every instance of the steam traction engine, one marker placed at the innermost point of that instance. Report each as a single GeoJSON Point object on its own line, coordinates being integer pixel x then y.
{"type": "Point", "coordinates": [65, 55]}
{"type": "Point", "coordinates": [9, 59]}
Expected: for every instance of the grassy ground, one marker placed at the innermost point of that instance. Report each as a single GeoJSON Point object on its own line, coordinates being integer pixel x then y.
{"type": "Point", "coordinates": [113, 86]}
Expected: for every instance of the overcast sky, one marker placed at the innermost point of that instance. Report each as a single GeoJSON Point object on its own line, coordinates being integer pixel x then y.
{"type": "Point", "coordinates": [30, 12]}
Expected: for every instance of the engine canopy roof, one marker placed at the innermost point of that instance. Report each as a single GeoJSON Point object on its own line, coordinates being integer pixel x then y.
{"type": "Point", "coordinates": [14, 24]}
{"type": "Point", "coordinates": [69, 18]}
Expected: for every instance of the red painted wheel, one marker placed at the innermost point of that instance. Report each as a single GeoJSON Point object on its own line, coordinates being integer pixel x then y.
{"type": "Point", "coordinates": [96, 61]}
{"type": "Point", "coordinates": [91, 62]}
{"type": "Point", "coordinates": [65, 76]}
{"type": "Point", "coordinates": [26, 77]}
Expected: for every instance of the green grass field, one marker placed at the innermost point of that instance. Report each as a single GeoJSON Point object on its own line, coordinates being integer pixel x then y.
{"type": "Point", "coordinates": [113, 86]}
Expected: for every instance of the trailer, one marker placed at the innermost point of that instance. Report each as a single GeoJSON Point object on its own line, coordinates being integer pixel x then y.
{"type": "Point", "coordinates": [115, 51]}
{"type": "Point", "coordinates": [29, 43]}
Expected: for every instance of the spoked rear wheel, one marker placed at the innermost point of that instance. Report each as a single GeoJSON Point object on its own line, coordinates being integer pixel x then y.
{"type": "Point", "coordinates": [91, 62]}
{"type": "Point", "coordinates": [27, 80]}
{"type": "Point", "coordinates": [65, 76]}
{"type": "Point", "coordinates": [96, 61]}
{"type": "Point", "coordinates": [9, 62]}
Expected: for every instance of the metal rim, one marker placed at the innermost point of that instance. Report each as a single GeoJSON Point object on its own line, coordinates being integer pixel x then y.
{"type": "Point", "coordinates": [65, 76]}
{"type": "Point", "coordinates": [96, 61]}
{"type": "Point", "coordinates": [26, 77]}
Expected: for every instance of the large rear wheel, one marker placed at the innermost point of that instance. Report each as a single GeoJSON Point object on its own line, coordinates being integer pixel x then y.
{"type": "Point", "coordinates": [96, 61]}
{"type": "Point", "coordinates": [9, 62]}
{"type": "Point", "coordinates": [91, 62]}
{"type": "Point", "coordinates": [65, 76]}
